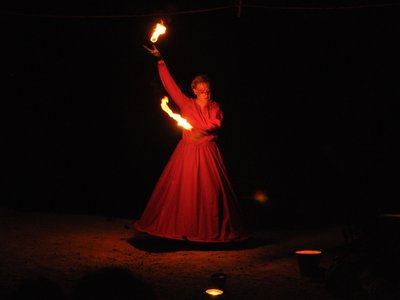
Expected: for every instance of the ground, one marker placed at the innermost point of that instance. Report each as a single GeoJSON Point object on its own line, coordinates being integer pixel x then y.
{"type": "Point", "coordinates": [68, 251]}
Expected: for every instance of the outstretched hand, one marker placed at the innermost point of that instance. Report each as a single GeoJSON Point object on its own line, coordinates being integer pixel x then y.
{"type": "Point", "coordinates": [153, 51]}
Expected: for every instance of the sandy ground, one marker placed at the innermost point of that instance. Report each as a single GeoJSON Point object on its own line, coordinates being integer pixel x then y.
{"type": "Point", "coordinates": [64, 250]}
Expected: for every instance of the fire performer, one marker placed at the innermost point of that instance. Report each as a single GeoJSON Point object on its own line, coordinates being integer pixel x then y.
{"type": "Point", "coordinates": [193, 199]}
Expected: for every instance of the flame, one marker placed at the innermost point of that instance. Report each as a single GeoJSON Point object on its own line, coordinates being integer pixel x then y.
{"type": "Point", "coordinates": [309, 252]}
{"type": "Point", "coordinates": [214, 292]}
{"type": "Point", "coordinates": [158, 30]}
{"type": "Point", "coordinates": [181, 121]}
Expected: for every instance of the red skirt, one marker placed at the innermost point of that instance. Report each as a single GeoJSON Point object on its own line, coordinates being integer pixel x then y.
{"type": "Point", "coordinates": [193, 199]}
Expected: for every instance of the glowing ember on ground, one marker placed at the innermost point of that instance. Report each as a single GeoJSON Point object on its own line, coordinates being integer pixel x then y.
{"type": "Point", "coordinates": [308, 252]}
{"type": "Point", "coordinates": [214, 292]}
{"type": "Point", "coordinates": [158, 30]}
{"type": "Point", "coordinates": [177, 117]}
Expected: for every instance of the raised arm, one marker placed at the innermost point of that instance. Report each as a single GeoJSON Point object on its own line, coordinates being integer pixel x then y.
{"type": "Point", "coordinates": [167, 80]}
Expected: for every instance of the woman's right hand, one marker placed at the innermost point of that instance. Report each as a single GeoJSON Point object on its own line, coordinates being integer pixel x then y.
{"type": "Point", "coordinates": [154, 51]}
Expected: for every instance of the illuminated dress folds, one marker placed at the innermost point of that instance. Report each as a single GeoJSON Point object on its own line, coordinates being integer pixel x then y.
{"type": "Point", "coordinates": [193, 199]}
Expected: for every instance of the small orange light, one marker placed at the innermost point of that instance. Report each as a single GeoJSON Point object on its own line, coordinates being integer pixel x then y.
{"type": "Point", "coordinates": [308, 252]}
{"type": "Point", "coordinates": [214, 292]}
{"type": "Point", "coordinates": [261, 196]}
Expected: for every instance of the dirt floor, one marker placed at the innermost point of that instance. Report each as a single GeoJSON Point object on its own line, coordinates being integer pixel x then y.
{"type": "Point", "coordinates": [71, 256]}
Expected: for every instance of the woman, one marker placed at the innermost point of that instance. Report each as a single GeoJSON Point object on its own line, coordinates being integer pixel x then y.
{"type": "Point", "coordinates": [193, 199]}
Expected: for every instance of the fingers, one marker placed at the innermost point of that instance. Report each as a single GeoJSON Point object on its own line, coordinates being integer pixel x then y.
{"type": "Point", "coordinates": [153, 51]}
{"type": "Point", "coordinates": [147, 48]}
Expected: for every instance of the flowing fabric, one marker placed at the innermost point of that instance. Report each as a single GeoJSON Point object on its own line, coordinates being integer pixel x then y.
{"type": "Point", "coordinates": [193, 198]}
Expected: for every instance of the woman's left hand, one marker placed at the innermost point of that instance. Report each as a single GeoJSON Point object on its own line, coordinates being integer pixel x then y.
{"type": "Point", "coordinates": [198, 135]}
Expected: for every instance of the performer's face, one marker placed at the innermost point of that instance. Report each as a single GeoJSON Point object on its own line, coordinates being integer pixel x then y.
{"type": "Point", "coordinates": [202, 91]}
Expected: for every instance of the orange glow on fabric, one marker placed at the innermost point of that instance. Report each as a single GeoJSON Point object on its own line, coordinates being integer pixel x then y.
{"type": "Point", "coordinates": [158, 30]}
{"type": "Point", "coordinates": [177, 117]}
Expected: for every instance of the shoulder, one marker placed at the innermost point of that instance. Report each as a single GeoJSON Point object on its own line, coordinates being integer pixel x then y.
{"type": "Point", "coordinates": [215, 105]}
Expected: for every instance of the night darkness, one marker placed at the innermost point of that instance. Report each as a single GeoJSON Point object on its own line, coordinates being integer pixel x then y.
{"type": "Point", "coordinates": [308, 97]}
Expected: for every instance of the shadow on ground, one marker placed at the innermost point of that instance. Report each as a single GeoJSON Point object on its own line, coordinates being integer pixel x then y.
{"type": "Point", "coordinates": [159, 245]}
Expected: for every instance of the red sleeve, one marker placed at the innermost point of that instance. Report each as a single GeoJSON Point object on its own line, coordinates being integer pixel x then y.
{"type": "Point", "coordinates": [216, 117]}
{"type": "Point", "coordinates": [170, 85]}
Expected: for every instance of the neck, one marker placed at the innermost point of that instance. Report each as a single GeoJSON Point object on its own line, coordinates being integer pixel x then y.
{"type": "Point", "coordinates": [202, 101]}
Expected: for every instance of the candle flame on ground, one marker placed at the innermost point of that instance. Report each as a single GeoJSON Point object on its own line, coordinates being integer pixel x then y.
{"type": "Point", "coordinates": [177, 117]}
{"type": "Point", "coordinates": [309, 252]}
{"type": "Point", "coordinates": [214, 292]}
{"type": "Point", "coordinates": [158, 30]}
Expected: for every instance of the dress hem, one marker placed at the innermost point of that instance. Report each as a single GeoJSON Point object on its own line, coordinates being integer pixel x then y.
{"type": "Point", "coordinates": [191, 239]}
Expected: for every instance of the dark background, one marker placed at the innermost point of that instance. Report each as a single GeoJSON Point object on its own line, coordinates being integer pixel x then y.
{"type": "Point", "coordinates": [308, 93]}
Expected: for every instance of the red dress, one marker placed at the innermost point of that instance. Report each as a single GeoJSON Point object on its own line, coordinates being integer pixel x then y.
{"type": "Point", "coordinates": [193, 198]}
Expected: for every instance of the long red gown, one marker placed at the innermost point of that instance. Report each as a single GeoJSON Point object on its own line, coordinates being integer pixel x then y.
{"type": "Point", "coordinates": [193, 199]}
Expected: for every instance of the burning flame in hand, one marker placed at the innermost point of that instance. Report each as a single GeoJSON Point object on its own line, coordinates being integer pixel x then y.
{"type": "Point", "coordinates": [181, 121]}
{"type": "Point", "coordinates": [158, 30]}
